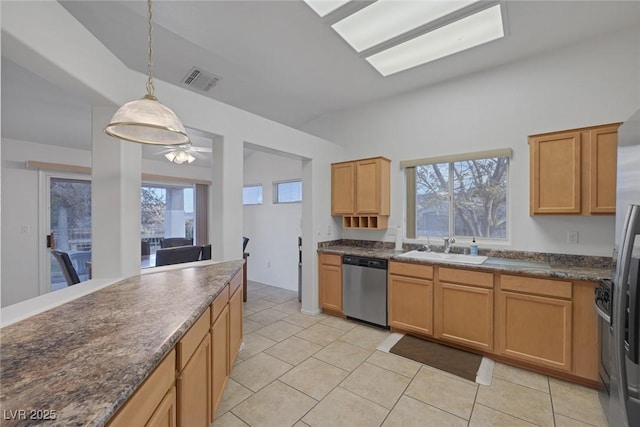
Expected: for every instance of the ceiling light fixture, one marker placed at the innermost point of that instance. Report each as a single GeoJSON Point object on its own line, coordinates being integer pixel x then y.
{"type": "Point", "coordinates": [146, 120]}
{"type": "Point", "coordinates": [473, 30]}
{"type": "Point", "coordinates": [180, 155]}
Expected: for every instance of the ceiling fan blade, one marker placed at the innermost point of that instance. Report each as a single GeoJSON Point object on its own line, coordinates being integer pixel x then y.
{"type": "Point", "coordinates": [165, 151]}
{"type": "Point", "coordinates": [201, 149]}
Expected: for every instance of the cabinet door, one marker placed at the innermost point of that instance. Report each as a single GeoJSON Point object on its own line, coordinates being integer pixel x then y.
{"type": "Point", "coordinates": [194, 388]}
{"type": "Point", "coordinates": [464, 314]}
{"type": "Point", "coordinates": [235, 325]}
{"type": "Point", "coordinates": [143, 406]}
{"type": "Point", "coordinates": [603, 144]}
{"type": "Point", "coordinates": [368, 186]}
{"type": "Point", "coordinates": [555, 176]}
{"type": "Point", "coordinates": [343, 188]}
{"type": "Point", "coordinates": [330, 283]}
{"type": "Point", "coordinates": [165, 414]}
{"type": "Point", "coordinates": [219, 358]}
{"type": "Point", "coordinates": [411, 304]}
{"type": "Point", "coordinates": [535, 329]}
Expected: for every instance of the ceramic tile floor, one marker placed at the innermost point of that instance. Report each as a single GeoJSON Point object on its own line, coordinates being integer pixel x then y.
{"type": "Point", "coordinates": [299, 370]}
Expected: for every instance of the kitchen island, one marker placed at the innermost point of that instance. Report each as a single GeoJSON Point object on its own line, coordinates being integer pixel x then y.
{"type": "Point", "coordinates": [78, 363]}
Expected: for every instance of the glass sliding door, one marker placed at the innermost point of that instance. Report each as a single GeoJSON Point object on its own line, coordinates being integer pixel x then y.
{"type": "Point", "coordinates": [69, 205]}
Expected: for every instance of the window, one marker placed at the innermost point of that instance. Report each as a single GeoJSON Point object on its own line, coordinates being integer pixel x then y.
{"type": "Point", "coordinates": [167, 210]}
{"type": "Point", "coordinates": [252, 195]}
{"type": "Point", "coordinates": [287, 191]}
{"type": "Point", "coordinates": [466, 198]}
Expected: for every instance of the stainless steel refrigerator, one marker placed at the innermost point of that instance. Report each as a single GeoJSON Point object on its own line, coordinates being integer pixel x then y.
{"type": "Point", "coordinates": [622, 336]}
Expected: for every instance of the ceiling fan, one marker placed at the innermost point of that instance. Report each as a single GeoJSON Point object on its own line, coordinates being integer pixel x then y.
{"type": "Point", "coordinates": [184, 153]}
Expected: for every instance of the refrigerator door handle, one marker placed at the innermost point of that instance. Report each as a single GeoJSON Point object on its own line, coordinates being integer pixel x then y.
{"type": "Point", "coordinates": [634, 296]}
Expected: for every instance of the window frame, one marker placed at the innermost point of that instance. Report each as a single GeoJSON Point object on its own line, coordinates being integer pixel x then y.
{"type": "Point", "coordinates": [276, 200]}
{"type": "Point", "coordinates": [261, 202]}
{"type": "Point", "coordinates": [410, 215]}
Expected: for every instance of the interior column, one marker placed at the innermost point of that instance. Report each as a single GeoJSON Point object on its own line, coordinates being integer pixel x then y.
{"type": "Point", "coordinates": [227, 198]}
{"type": "Point", "coordinates": [115, 201]}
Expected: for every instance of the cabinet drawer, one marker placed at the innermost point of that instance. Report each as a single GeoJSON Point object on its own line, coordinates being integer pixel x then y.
{"type": "Point", "coordinates": [141, 406]}
{"type": "Point", "coordinates": [330, 259]}
{"type": "Point", "coordinates": [188, 344]}
{"type": "Point", "coordinates": [219, 303]}
{"type": "Point", "coordinates": [530, 285]}
{"type": "Point", "coordinates": [474, 278]}
{"type": "Point", "coordinates": [413, 270]}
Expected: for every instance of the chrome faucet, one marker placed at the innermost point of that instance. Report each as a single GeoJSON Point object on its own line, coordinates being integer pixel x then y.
{"type": "Point", "coordinates": [448, 241]}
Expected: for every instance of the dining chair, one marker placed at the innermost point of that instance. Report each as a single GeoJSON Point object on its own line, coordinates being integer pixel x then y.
{"type": "Point", "coordinates": [177, 255]}
{"type": "Point", "coordinates": [68, 271]}
{"type": "Point", "coordinates": [172, 242]}
{"type": "Point", "coordinates": [206, 252]}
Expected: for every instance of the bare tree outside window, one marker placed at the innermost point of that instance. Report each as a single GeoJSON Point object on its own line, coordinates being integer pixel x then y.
{"type": "Point", "coordinates": [464, 198]}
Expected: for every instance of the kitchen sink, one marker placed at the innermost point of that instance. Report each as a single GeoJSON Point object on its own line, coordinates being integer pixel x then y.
{"type": "Point", "coordinates": [438, 256]}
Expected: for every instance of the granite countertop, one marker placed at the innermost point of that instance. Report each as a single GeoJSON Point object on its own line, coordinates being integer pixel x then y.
{"type": "Point", "coordinates": [85, 358]}
{"type": "Point", "coordinates": [522, 265]}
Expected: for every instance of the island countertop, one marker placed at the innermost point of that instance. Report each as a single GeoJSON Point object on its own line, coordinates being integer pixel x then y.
{"type": "Point", "coordinates": [82, 360]}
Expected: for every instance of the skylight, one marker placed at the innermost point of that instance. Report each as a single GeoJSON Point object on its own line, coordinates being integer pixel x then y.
{"type": "Point", "coordinates": [395, 35]}
{"type": "Point", "coordinates": [474, 30]}
{"type": "Point", "coordinates": [386, 19]}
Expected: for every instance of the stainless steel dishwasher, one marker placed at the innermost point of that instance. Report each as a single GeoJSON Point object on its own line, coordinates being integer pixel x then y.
{"type": "Point", "coordinates": [364, 289]}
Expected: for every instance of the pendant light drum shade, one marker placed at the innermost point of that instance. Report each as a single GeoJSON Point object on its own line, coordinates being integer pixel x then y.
{"type": "Point", "coordinates": [147, 121]}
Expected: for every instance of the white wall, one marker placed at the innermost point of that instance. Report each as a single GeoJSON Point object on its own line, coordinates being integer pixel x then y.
{"type": "Point", "coordinates": [592, 83]}
{"type": "Point", "coordinates": [272, 228]}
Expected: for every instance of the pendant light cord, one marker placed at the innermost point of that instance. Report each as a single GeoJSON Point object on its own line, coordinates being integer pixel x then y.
{"type": "Point", "coordinates": [150, 88]}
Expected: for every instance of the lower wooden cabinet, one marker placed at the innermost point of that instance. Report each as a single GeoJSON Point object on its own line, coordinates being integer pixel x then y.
{"type": "Point", "coordinates": [220, 368]}
{"type": "Point", "coordinates": [463, 307]}
{"type": "Point", "coordinates": [235, 324]}
{"type": "Point", "coordinates": [194, 374]}
{"type": "Point", "coordinates": [165, 414]}
{"type": "Point", "coordinates": [410, 298]}
{"type": "Point", "coordinates": [330, 282]}
{"type": "Point", "coordinates": [542, 323]}
{"type": "Point", "coordinates": [154, 399]}
{"type": "Point", "coordinates": [535, 321]}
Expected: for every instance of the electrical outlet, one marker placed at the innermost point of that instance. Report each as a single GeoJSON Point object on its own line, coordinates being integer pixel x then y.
{"type": "Point", "coordinates": [329, 230]}
{"type": "Point", "coordinates": [268, 264]}
{"type": "Point", "coordinates": [392, 231]}
{"type": "Point", "coordinates": [572, 237]}
{"type": "Point", "coordinates": [24, 229]}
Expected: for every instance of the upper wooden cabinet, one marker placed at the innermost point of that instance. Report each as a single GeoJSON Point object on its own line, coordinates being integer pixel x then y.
{"type": "Point", "coordinates": [360, 192]}
{"type": "Point", "coordinates": [574, 171]}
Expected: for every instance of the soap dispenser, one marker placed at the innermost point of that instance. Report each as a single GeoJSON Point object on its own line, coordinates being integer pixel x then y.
{"type": "Point", "coordinates": [473, 249]}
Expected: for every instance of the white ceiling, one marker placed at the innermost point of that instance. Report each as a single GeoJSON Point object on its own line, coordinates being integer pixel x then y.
{"type": "Point", "coordinates": [278, 59]}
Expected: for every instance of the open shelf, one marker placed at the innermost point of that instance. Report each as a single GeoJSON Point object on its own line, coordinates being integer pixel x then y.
{"type": "Point", "coordinates": [375, 222]}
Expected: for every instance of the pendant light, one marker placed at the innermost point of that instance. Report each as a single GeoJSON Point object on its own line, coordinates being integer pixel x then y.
{"type": "Point", "coordinates": [146, 120]}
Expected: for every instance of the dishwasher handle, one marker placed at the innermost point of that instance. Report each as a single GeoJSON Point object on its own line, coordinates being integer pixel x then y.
{"type": "Point", "coordinates": [380, 264]}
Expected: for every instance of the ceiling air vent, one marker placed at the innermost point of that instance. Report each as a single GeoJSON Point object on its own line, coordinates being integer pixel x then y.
{"type": "Point", "coordinates": [201, 80]}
